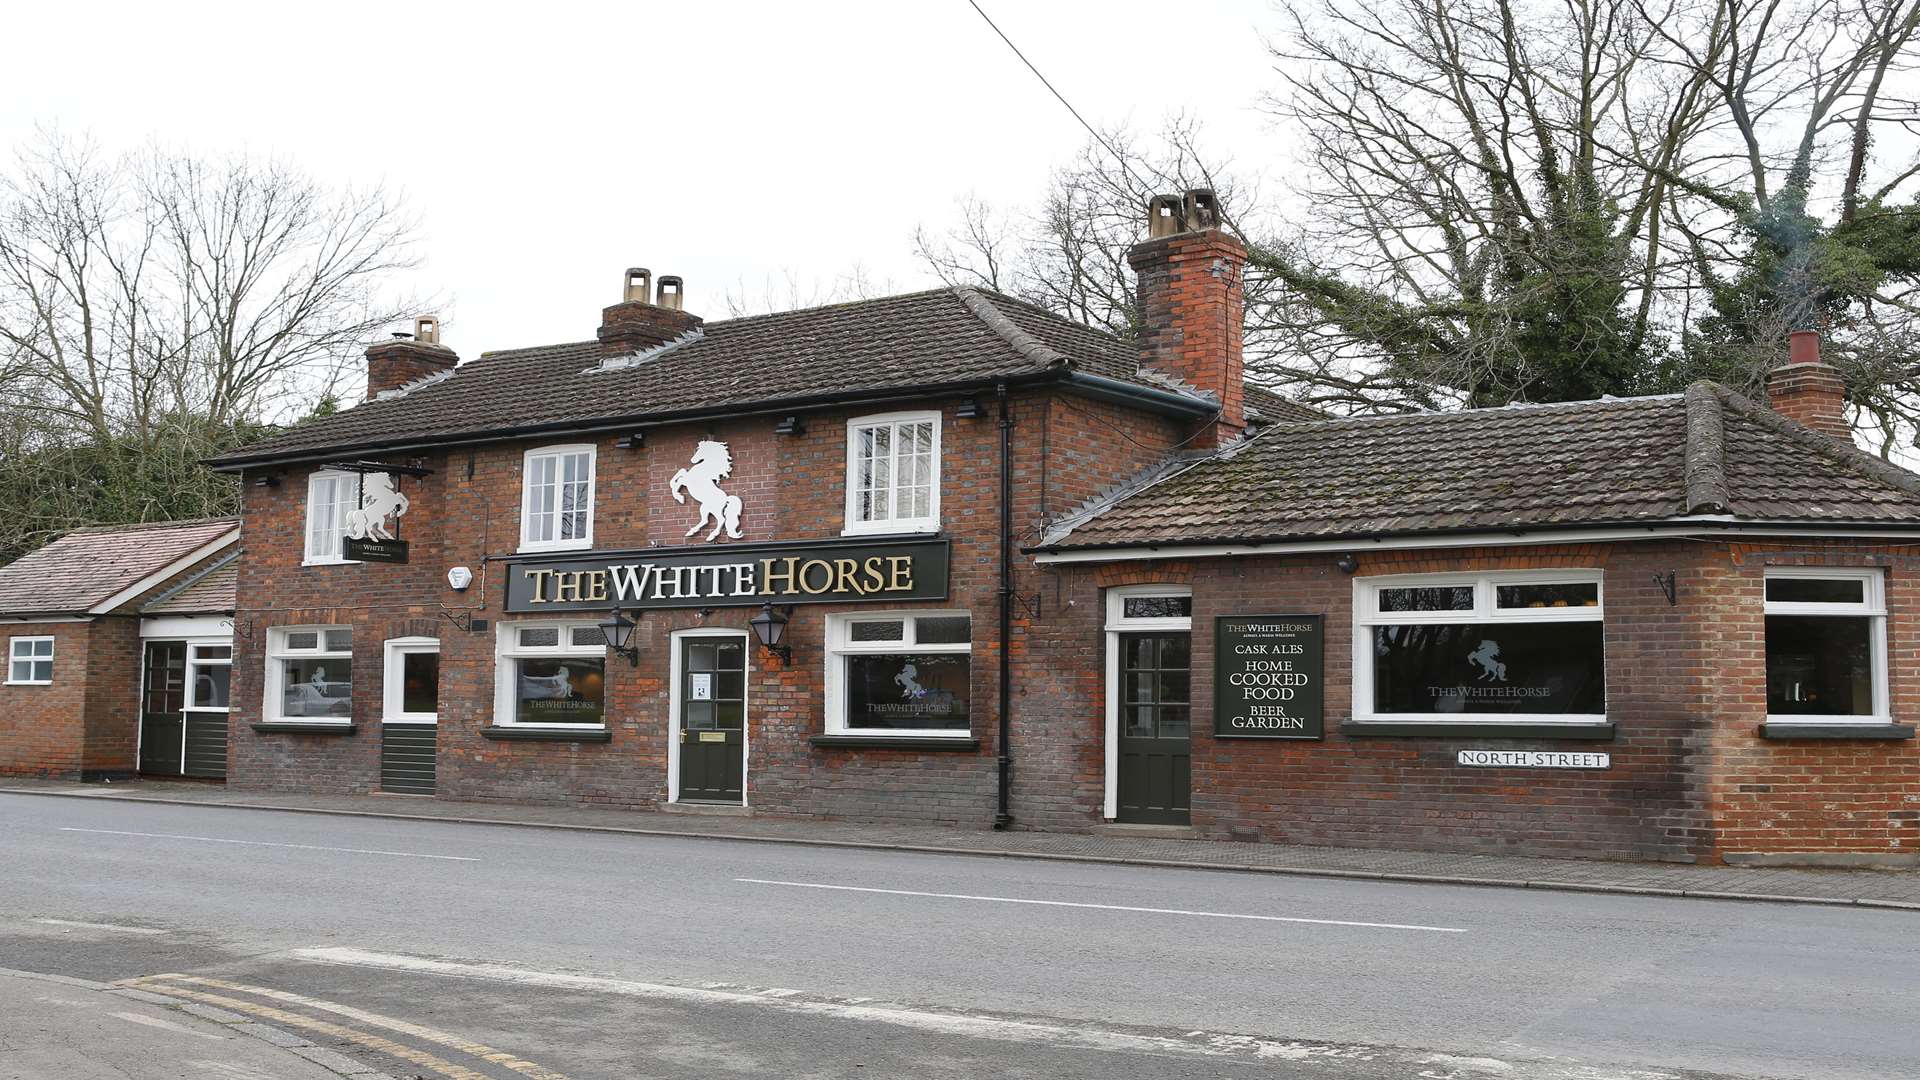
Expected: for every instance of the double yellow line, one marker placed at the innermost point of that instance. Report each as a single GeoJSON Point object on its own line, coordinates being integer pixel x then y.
{"type": "Point", "coordinates": [174, 985]}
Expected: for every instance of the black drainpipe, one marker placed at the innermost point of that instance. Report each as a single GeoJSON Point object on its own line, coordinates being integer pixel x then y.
{"type": "Point", "coordinates": [1004, 817]}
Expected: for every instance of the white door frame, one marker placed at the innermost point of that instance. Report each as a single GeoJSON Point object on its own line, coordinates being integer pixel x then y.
{"type": "Point", "coordinates": [1117, 623]}
{"type": "Point", "coordinates": [392, 674]}
{"type": "Point", "coordinates": [676, 650]}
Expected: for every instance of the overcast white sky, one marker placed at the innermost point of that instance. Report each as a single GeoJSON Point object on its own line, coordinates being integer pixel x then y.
{"type": "Point", "coordinates": [547, 148]}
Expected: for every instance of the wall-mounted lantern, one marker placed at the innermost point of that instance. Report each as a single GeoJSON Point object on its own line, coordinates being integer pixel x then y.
{"type": "Point", "coordinates": [619, 631]}
{"type": "Point", "coordinates": [770, 626]}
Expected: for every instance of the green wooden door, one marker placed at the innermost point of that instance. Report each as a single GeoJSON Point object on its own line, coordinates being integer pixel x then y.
{"type": "Point", "coordinates": [713, 719]}
{"type": "Point", "coordinates": [163, 701]}
{"type": "Point", "coordinates": [1155, 721]}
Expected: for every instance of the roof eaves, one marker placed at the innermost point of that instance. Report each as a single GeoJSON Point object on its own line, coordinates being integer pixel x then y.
{"type": "Point", "coordinates": [148, 581]}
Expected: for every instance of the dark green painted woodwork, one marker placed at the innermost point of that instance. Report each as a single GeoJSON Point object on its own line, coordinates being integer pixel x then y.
{"type": "Point", "coordinates": [163, 699]}
{"type": "Point", "coordinates": [407, 758]}
{"type": "Point", "coordinates": [206, 746]}
{"type": "Point", "coordinates": [1156, 752]}
{"type": "Point", "coordinates": [713, 719]}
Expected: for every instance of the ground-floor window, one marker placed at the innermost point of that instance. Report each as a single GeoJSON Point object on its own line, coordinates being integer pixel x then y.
{"type": "Point", "coordinates": [551, 673]}
{"type": "Point", "coordinates": [1826, 644]}
{"type": "Point", "coordinates": [309, 674]}
{"type": "Point", "coordinates": [411, 682]}
{"type": "Point", "coordinates": [30, 661]}
{"type": "Point", "coordinates": [900, 674]}
{"type": "Point", "coordinates": [1520, 647]}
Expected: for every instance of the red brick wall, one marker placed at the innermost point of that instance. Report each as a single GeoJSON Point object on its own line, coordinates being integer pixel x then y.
{"type": "Point", "coordinates": [43, 728]}
{"type": "Point", "coordinates": [792, 488]}
{"type": "Point", "coordinates": [1771, 796]}
{"type": "Point", "coordinates": [112, 711]}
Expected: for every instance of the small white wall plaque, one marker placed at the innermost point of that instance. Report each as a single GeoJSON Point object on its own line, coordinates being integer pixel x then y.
{"type": "Point", "coordinates": [458, 578]}
{"type": "Point", "coordinates": [1535, 759]}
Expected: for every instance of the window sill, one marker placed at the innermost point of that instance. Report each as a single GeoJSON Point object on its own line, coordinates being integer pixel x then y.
{"type": "Point", "coordinates": [893, 528]}
{"type": "Point", "coordinates": [537, 734]}
{"type": "Point", "coordinates": [1876, 730]}
{"type": "Point", "coordinates": [28, 682]}
{"type": "Point", "coordinates": [548, 549]}
{"type": "Point", "coordinates": [895, 742]}
{"type": "Point", "coordinates": [330, 562]}
{"type": "Point", "coordinates": [1599, 731]}
{"type": "Point", "coordinates": [295, 727]}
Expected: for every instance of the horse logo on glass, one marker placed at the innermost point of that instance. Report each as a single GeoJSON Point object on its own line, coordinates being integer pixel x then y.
{"type": "Point", "coordinates": [1487, 657]}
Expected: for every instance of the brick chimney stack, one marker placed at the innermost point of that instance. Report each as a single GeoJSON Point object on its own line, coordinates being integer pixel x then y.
{"type": "Point", "coordinates": [1809, 390]}
{"type": "Point", "coordinates": [1191, 297]}
{"type": "Point", "coordinates": [637, 323]}
{"type": "Point", "coordinates": [393, 364]}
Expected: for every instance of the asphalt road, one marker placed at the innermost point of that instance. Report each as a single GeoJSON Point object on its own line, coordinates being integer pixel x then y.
{"type": "Point", "coordinates": [582, 955]}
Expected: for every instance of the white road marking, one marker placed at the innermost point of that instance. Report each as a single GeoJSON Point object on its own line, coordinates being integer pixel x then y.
{"type": "Point", "coordinates": [958, 1024]}
{"type": "Point", "coordinates": [269, 843]}
{"type": "Point", "coordinates": [101, 926]}
{"type": "Point", "coordinates": [167, 1025]}
{"type": "Point", "coordinates": [1106, 907]}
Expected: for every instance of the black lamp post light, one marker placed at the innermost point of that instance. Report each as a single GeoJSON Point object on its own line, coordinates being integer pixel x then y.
{"type": "Point", "coordinates": [770, 626]}
{"type": "Point", "coordinates": [619, 631]}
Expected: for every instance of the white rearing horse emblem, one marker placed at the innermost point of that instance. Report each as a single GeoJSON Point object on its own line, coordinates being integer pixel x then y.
{"type": "Point", "coordinates": [711, 463]}
{"type": "Point", "coordinates": [379, 500]}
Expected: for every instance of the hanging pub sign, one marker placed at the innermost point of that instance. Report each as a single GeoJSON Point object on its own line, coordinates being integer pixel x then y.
{"type": "Point", "coordinates": [357, 549]}
{"type": "Point", "coordinates": [731, 575]}
{"type": "Point", "coordinates": [1268, 677]}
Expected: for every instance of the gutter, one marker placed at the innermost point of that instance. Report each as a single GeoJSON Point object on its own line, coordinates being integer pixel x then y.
{"type": "Point", "coordinates": [1097, 386]}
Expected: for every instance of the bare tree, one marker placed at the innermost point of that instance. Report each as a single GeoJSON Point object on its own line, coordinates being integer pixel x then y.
{"type": "Point", "coordinates": [153, 305]}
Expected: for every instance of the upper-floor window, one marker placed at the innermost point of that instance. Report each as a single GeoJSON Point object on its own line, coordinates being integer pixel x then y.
{"type": "Point", "coordinates": [1826, 644]}
{"type": "Point", "coordinates": [1486, 648]}
{"type": "Point", "coordinates": [331, 496]}
{"type": "Point", "coordinates": [556, 505]}
{"type": "Point", "coordinates": [893, 473]}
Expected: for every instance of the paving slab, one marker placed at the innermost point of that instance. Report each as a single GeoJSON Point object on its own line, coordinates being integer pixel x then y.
{"type": "Point", "coordinates": [1882, 888]}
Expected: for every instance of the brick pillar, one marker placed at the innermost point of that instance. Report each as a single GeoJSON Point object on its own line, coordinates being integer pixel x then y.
{"type": "Point", "coordinates": [639, 322]}
{"type": "Point", "coordinates": [1191, 299]}
{"type": "Point", "coordinates": [1806, 389]}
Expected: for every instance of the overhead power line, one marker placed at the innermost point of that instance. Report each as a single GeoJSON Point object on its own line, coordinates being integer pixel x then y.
{"type": "Point", "coordinates": [1102, 139]}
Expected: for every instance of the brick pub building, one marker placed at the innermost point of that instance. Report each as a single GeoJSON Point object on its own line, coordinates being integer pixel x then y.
{"type": "Point", "coordinates": [945, 557]}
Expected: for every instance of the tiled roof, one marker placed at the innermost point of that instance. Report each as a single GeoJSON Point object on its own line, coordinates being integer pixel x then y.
{"type": "Point", "coordinates": [944, 337]}
{"type": "Point", "coordinates": [88, 566]}
{"type": "Point", "coordinates": [1266, 406]}
{"type": "Point", "coordinates": [1706, 452]}
{"type": "Point", "coordinates": [212, 592]}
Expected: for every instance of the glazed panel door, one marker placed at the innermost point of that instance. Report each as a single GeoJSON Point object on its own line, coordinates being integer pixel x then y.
{"type": "Point", "coordinates": [1155, 673]}
{"type": "Point", "coordinates": [713, 719]}
{"type": "Point", "coordinates": [163, 702]}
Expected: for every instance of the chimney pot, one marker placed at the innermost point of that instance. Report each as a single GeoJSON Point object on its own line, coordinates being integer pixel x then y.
{"type": "Point", "coordinates": [672, 292]}
{"type": "Point", "coordinates": [1164, 216]}
{"type": "Point", "coordinates": [639, 284]}
{"type": "Point", "coordinates": [426, 328]}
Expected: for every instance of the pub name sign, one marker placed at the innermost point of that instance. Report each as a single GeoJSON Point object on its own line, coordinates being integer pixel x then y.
{"type": "Point", "coordinates": [1268, 677]}
{"type": "Point", "coordinates": [731, 575]}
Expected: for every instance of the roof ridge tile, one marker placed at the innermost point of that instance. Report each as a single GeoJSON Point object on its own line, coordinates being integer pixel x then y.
{"type": "Point", "coordinates": [1019, 340]}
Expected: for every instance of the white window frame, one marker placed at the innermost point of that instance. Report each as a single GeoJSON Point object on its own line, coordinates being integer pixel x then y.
{"type": "Point", "coordinates": [195, 662]}
{"type": "Point", "coordinates": [929, 523]}
{"type": "Point", "coordinates": [1872, 607]}
{"type": "Point", "coordinates": [393, 680]}
{"type": "Point", "coordinates": [507, 649]}
{"type": "Point", "coordinates": [347, 506]}
{"type": "Point", "coordinates": [579, 543]}
{"type": "Point", "coordinates": [840, 646]}
{"type": "Point", "coordinates": [275, 682]}
{"type": "Point", "coordinates": [1117, 624]}
{"type": "Point", "coordinates": [32, 659]}
{"type": "Point", "coordinates": [1367, 615]}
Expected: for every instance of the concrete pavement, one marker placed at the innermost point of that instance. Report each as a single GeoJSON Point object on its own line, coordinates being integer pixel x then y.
{"type": "Point", "coordinates": [54, 1028]}
{"type": "Point", "coordinates": [1863, 887]}
{"type": "Point", "coordinates": [595, 954]}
